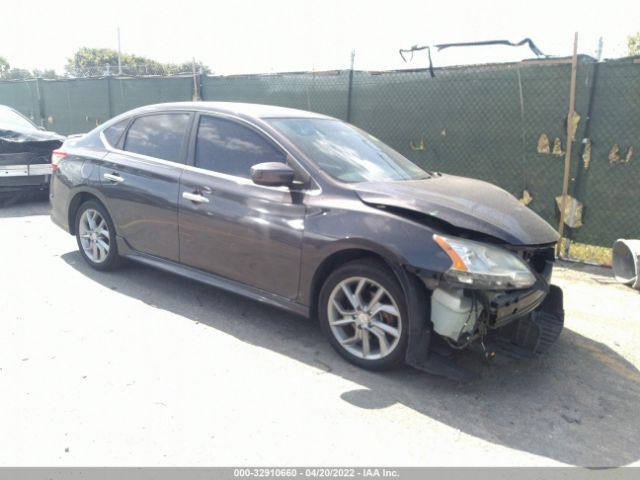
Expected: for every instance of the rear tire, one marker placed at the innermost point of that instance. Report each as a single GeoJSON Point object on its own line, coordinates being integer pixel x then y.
{"type": "Point", "coordinates": [364, 299]}
{"type": "Point", "coordinates": [96, 236]}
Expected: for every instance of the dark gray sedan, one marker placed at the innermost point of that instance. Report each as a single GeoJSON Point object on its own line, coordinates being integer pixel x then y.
{"type": "Point", "coordinates": [311, 214]}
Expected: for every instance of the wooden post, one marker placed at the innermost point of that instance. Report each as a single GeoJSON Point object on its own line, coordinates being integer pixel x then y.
{"type": "Point", "coordinates": [567, 158]}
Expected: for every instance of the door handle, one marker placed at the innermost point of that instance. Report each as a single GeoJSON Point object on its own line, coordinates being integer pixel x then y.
{"type": "Point", "coordinates": [113, 177]}
{"type": "Point", "coordinates": [195, 197]}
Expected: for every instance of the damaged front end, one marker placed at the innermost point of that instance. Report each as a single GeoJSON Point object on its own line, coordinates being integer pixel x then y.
{"type": "Point", "coordinates": [494, 300]}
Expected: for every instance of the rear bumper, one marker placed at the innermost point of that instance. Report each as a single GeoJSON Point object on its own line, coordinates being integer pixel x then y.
{"type": "Point", "coordinates": [22, 183]}
{"type": "Point", "coordinates": [60, 198]}
{"type": "Point", "coordinates": [55, 218]}
{"type": "Point", "coordinates": [24, 177]}
{"type": "Point", "coordinates": [25, 170]}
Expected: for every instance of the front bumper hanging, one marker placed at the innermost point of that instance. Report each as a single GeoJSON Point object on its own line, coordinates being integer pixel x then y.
{"type": "Point", "coordinates": [532, 334]}
{"type": "Point", "coordinates": [522, 325]}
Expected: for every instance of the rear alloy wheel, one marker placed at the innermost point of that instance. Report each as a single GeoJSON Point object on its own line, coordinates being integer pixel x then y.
{"type": "Point", "coordinates": [362, 312]}
{"type": "Point", "coordinates": [96, 236]}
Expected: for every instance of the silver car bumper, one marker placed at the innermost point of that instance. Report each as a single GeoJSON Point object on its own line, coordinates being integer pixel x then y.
{"type": "Point", "coordinates": [25, 170]}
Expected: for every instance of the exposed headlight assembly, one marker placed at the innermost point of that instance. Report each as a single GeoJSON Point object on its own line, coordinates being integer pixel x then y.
{"type": "Point", "coordinates": [483, 266]}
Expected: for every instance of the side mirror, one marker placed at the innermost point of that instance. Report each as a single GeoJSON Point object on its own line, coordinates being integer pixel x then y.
{"type": "Point", "coordinates": [272, 174]}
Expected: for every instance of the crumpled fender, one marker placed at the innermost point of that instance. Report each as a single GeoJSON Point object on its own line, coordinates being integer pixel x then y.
{"type": "Point", "coordinates": [420, 354]}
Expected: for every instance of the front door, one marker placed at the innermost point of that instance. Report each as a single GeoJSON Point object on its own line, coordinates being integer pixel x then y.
{"type": "Point", "coordinates": [229, 225]}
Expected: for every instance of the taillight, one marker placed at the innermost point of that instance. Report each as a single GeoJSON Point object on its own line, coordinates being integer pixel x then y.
{"type": "Point", "coordinates": [56, 158]}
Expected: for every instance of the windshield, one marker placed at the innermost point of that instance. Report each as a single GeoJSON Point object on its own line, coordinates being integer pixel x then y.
{"type": "Point", "coordinates": [12, 119]}
{"type": "Point", "coordinates": [345, 152]}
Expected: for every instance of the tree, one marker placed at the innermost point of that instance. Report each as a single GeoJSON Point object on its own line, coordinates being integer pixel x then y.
{"type": "Point", "coordinates": [17, 74]}
{"type": "Point", "coordinates": [4, 66]}
{"type": "Point", "coordinates": [92, 60]}
{"type": "Point", "coordinates": [47, 73]}
{"type": "Point", "coordinates": [633, 44]}
{"type": "Point", "coordinates": [188, 67]}
{"type": "Point", "coordinates": [104, 61]}
{"type": "Point", "coordinates": [8, 73]}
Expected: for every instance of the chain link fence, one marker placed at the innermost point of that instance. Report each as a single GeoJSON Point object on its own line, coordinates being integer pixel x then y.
{"type": "Point", "coordinates": [323, 92]}
{"type": "Point", "coordinates": [503, 123]}
{"type": "Point", "coordinates": [134, 70]}
{"type": "Point", "coordinates": [109, 70]}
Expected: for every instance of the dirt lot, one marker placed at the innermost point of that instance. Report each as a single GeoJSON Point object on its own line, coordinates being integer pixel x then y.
{"type": "Point", "coordinates": [140, 367]}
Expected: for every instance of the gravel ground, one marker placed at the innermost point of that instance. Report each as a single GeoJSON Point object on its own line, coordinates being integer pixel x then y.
{"type": "Point", "coordinates": [140, 367]}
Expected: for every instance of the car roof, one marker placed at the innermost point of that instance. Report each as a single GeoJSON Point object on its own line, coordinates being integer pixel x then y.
{"type": "Point", "coordinates": [7, 108]}
{"type": "Point", "coordinates": [254, 110]}
{"type": "Point", "coordinates": [10, 109]}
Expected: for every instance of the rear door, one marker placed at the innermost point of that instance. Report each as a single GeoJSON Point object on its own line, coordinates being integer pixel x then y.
{"type": "Point", "coordinates": [229, 225]}
{"type": "Point", "coordinates": [140, 178]}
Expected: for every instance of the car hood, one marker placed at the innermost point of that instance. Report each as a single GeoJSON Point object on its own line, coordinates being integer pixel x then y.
{"type": "Point", "coordinates": [464, 203]}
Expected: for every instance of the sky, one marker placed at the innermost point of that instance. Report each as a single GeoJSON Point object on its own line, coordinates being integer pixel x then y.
{"type": "Point", "coordinates": [243, 36]}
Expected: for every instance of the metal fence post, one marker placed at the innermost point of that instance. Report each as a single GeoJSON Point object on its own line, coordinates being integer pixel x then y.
{"type": "Point", "coordinates": [350, 87]}
{"type": "Point", "coordinates": [109, 97]}
{"type": "Point", "coordinates": [40, 99]}
{"type": "Point", "coordinates": [196, 87]}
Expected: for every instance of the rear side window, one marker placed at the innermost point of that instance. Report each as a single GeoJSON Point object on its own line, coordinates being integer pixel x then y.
{"type": "Point", "coordinates": [227, 147]}
{"type": "Point", "coordinates": [159, 136]}
{"type": "Point", "coordinates": [114, 132]}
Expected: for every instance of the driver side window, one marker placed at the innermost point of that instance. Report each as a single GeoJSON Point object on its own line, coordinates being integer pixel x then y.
{"type": "Point", "coordinates": [227, 147]}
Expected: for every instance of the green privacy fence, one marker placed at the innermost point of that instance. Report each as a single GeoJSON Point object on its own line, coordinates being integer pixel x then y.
{"type": "Point", "coordinates": [79, 105]}
{"type": "Point", "coordinates": [325, 92]}
{"type": "Point", "coordinates": [503, 123]}
{"type": "Point", "coordinates": [23, 96]}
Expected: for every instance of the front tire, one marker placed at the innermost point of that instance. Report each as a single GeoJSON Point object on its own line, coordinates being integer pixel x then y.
{"type": "Point", "coordinates": [96, 236]}
{"type": "Point", "coordinates": [363, 313]}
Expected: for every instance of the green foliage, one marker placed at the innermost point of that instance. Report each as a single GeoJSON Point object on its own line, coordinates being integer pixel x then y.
{"type": "Point", "coordinates": [16, 74]}
{"type": "Point", "coordinates": [86, 59]}
{"type": "Point", "coordinates": [8, 73]}
{"type": "Point", "coordinates": [90, 62]}
{"type": "Point", "coordinates": [4, 66]}
{"type": "Point", "coordinates": [47, 73]}
{"type": "Point", "coordinates": [186, 67]}
{"type": "Point", "coordinates": [96, 61]}
{"type": "Point", "coordinates": [633, 44]}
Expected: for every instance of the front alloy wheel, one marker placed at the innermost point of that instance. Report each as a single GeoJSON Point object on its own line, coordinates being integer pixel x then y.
{"type": "Point", "coordinates": [362, 311]}
{"type": "Point", "coordinates": [364, 318]}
